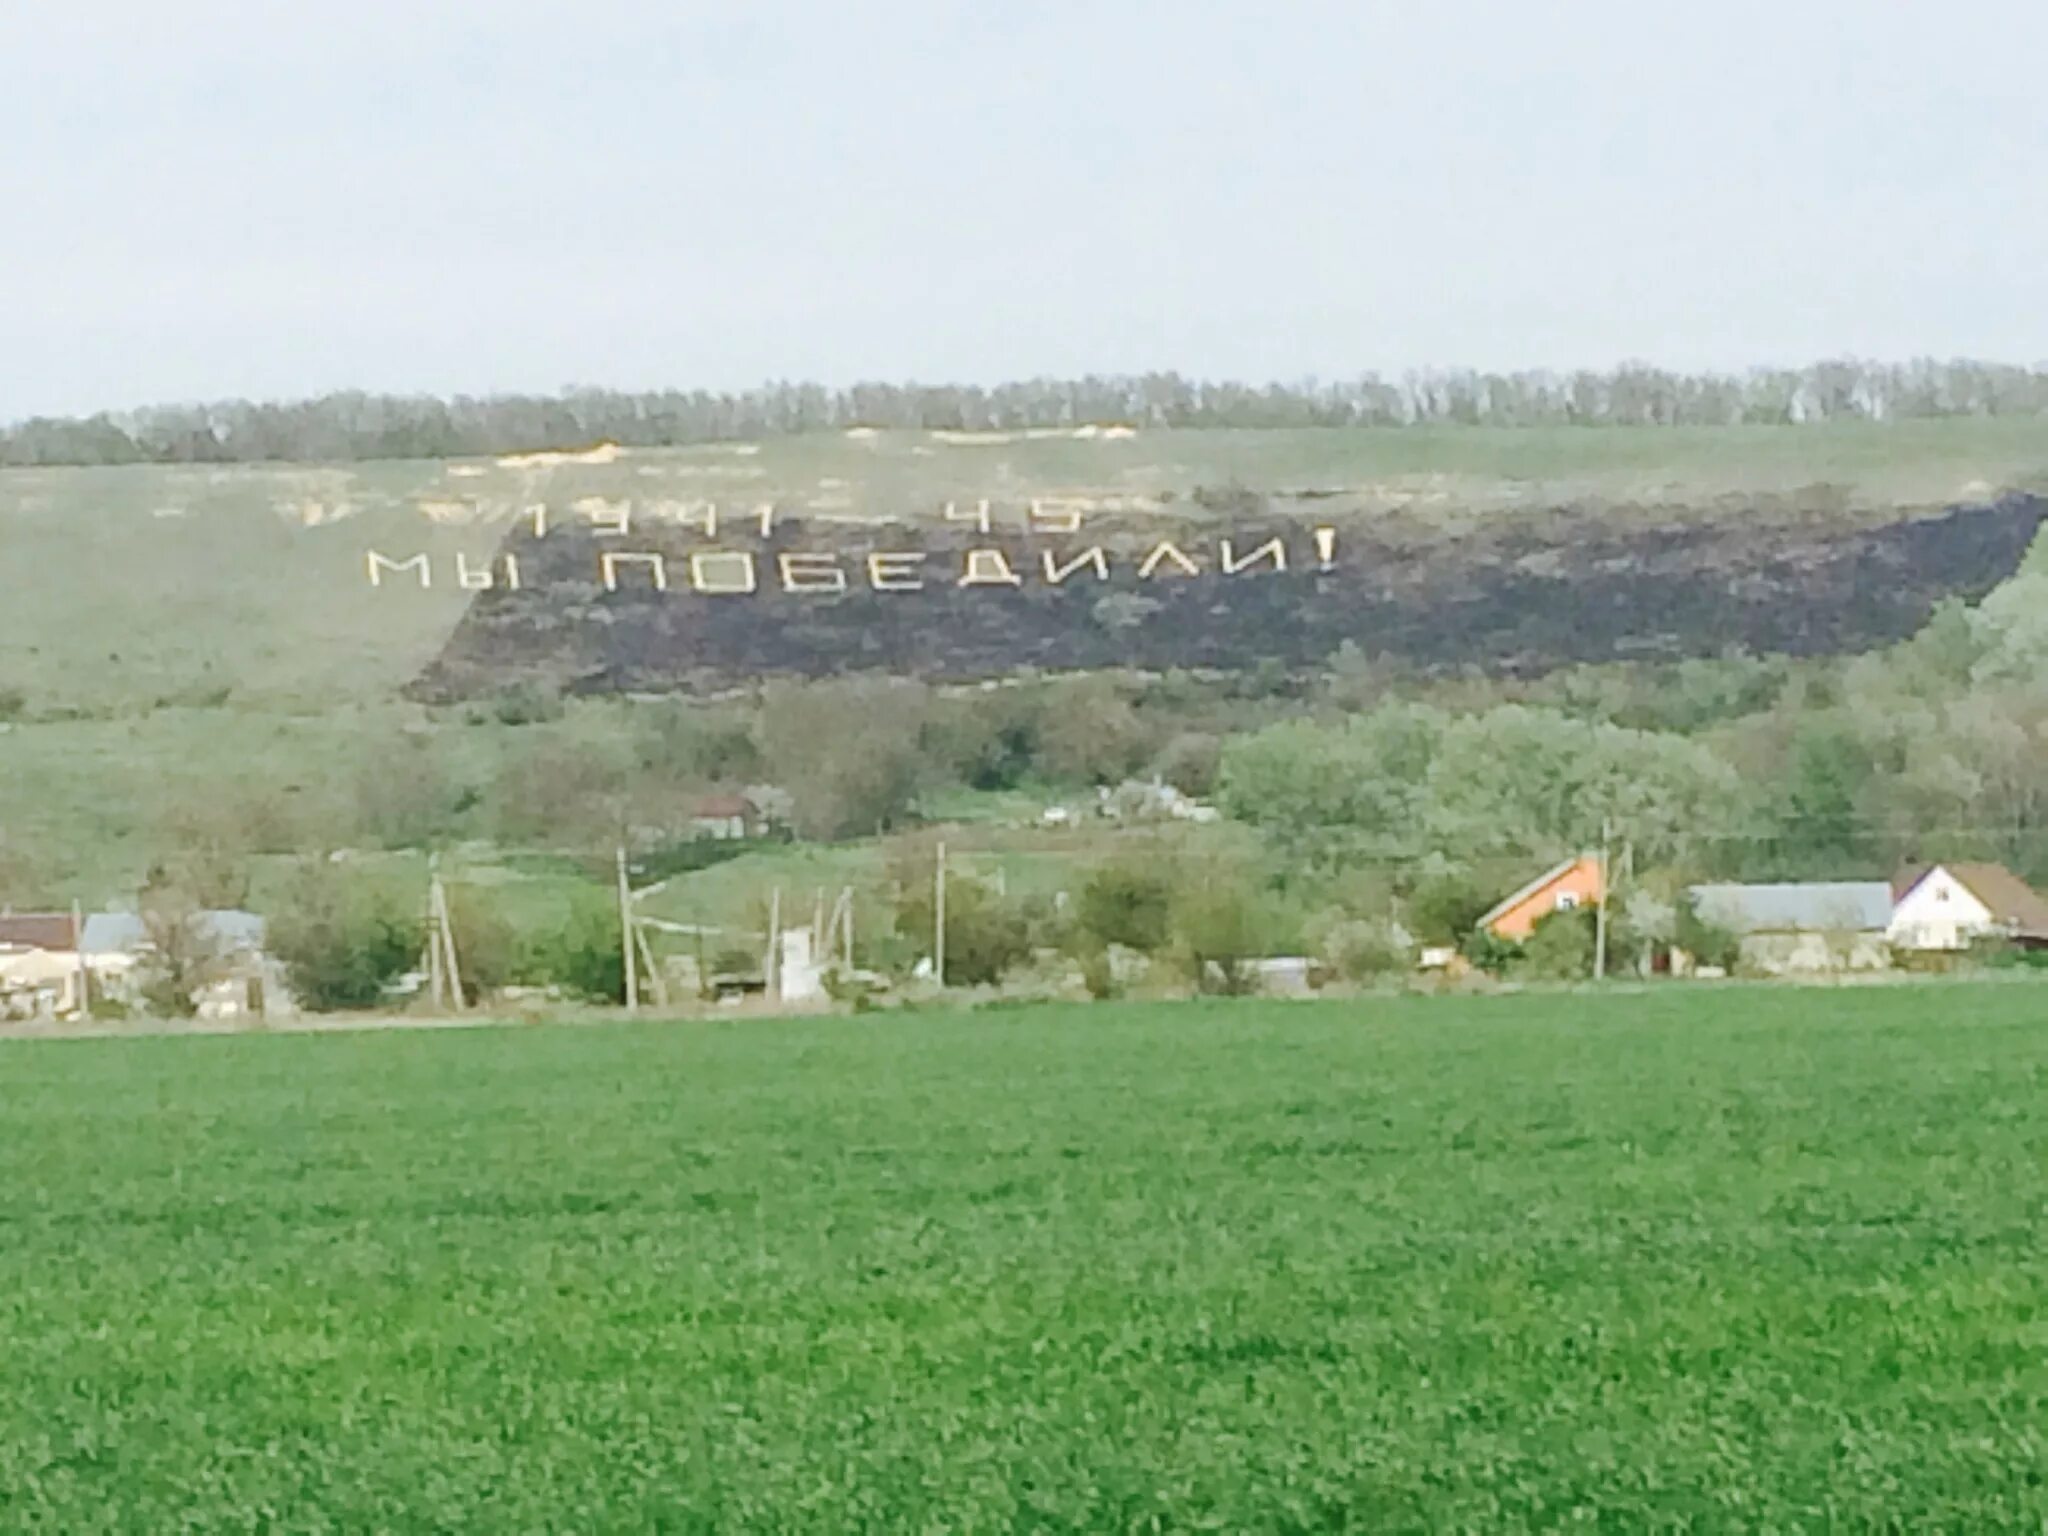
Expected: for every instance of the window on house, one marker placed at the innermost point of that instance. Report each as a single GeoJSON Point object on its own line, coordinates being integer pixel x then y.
{"type": "Point", "coordinates": [1566, 901]}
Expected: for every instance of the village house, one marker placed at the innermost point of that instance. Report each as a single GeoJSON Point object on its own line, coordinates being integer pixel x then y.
{"type": "Point", "coordinates": [1949, 907]}
{"type": "Point", "coordinates": [724, 817]}
{"type": "Point", "coordinates": [1574, 883]}
{"type": "Point", "coordinates": [1803, 929]}
{"type": "Point", "coordinates": [39, 969]}
{"type": "Point", "coordinates": [240, 978]}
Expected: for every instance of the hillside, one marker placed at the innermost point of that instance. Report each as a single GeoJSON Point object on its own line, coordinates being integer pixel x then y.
{"type": "Point", "coordinates": [133, 585]}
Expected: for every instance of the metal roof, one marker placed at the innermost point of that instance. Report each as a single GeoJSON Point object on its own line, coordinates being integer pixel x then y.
{"type": "Point", "coordinates": [121, 933]}
{"type": "Point", "coordinates": [1848, 906]}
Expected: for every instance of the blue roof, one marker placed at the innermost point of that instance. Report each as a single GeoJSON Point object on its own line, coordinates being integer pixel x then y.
{"type": "Point", "coordinates": [1846, 906]}
{"type": "Point", "coordinates": [120, 933]}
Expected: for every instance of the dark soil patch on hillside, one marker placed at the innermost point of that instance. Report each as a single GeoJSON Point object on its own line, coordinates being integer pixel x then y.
{"type": "Point", "coordinates": [1516, 595]}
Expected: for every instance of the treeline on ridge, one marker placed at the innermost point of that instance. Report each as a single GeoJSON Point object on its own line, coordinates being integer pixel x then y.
{"type": "Point", "coordinates": [354, 425]}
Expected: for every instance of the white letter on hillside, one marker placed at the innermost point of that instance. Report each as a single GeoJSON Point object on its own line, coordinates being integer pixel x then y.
{"type": "Point", "coordinates": [1054, 514]}
{"type": "Point", "coordinates": [608, 518]}
{"type": "Point", "coordinates": [1094, 558]}
{"type": "Point", "coordinates": [989, 568]}
{"type": "Point", "coordinates": [896, 572]}
{"type": "Point", "coordinates": [722, 572]}
{"type": "Point", "coordinates": [1163, 554]}
{"type": "Point", "coordinates": [379, 565]}
{"type": "Point", "coordinates": [812, 573]}
{"type": "Point", "coordinates": [978, 517]}
{"type": "Point", "coordinates": [608, 564]}
{"type": "Point", "coordinates": [1272, 551]}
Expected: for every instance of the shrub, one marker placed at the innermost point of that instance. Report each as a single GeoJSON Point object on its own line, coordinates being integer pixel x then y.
{"type": "Point", "coordinates": [1129, 902]}
{"type": "Point", "coordinates": [1561, 947]}
{"type": "Point", "coordinates": [1362, 951]}
{"type": "Point", "coordinates": [1708, 943]}
{"type": "Point", "coordinates": [342, 945]}
{"type": "Point", "coordinates": [582, 955]}
{"type": "Point", "coordinates": [985, 934]}
{"type": "Point", "coordinates": [1223, 918]}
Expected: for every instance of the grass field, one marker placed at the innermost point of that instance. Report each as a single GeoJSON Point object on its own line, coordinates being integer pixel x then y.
{"type": "Point", "coordinates": [1705, 1259]}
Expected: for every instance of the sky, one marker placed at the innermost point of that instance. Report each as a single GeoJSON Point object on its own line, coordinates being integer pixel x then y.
{"type": "Point", "coordinates": [209, 200]}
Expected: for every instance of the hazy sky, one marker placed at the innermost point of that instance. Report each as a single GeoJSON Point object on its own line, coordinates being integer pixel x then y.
{"type": "Point", "coordinates": [209, 199]}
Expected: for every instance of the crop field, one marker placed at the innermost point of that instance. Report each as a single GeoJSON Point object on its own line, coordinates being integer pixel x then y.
{"type": "Point", "coordinates": [1704, 1258]}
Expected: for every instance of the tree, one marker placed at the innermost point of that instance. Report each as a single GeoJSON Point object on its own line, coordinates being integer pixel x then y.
{"type": "Point", "coordinates": [342, 943]}
{"type": "Point", "coordinates": [1561, 947]}
{"type": "Point", "coordinates": [986, 935]}
{"type": "Point", "coordinates": [583, 954]}
{"type": "Point", "coordinates": [1223, 919]}
{"type": "Point", "coordinates": [184, 951]}
{"type": "Point", "coordinates": [1127, 901]}
{"type": "Point", "coordinates": [847, 751]}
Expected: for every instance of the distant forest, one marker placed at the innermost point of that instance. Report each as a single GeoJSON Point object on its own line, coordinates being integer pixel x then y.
{"type": "Point", "coordinates": [366, 426]}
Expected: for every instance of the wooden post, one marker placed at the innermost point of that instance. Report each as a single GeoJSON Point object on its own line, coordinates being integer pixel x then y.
{"type": "Point", "coordinates": [939, 919]}
{"type": "Point", "coordinates": [1600, 911]}
{"type": "Point", "coordinates": [436, 979]}
{"type": "Point", "coordinates": [626, 929]}
{"type": "Point", "coordinates": [84, 998]}
{"type": "Point", "coordinates": [656, 982]}
{"type": "Point", "coordinates": [446, 928]}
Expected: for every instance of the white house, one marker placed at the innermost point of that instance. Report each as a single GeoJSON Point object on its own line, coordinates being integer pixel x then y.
{"type": "Point", "coordinates": [1949, 907]}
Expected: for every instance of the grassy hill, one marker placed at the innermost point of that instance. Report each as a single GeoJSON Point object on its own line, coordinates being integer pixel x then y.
{"type": "Point", "coordinates": [173, 637]}
{"type": "Point", "coordinates": [130, 586]}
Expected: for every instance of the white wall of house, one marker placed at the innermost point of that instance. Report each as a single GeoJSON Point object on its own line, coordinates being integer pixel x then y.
{"type": "Point", "coordinates": [1939, 914]}
{"type": "Point", "coordinates": [1814, 954]}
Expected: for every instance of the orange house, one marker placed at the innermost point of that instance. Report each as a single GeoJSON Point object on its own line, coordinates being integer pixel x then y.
{"type": "Point", "coordinates": [1573, 883]}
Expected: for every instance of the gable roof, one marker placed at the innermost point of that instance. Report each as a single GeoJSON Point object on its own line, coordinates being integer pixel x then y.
{"type": "Point", "coordinates": [1858, 906]}
{"type": "Point", "coordinates": [122, 933]}
{"type": "Point", "coordinates": [1549, 877]}
{"type": "Point", "coordinates": [38, 930]}
{"type": "Point", "coordinates": [722, 808]}
{"type": "Point", "coordinates": [2010, 900]}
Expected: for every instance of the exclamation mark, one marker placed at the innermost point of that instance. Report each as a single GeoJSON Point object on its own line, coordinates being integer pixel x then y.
{"type": "Point", "coordinates": [1326, 549]}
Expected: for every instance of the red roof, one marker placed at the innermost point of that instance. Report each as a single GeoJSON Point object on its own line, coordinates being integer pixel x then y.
{"type": "Point", "coordinates": [723, 808]}
{"type": "Point", "coordinates": [2010, 900]}
{"type": "Point", "coordinates": [38, 930]}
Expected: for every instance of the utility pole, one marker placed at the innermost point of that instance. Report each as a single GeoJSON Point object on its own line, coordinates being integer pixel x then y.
{"type": "Point", "coordinates": [771, 970]}
{"type": "Point", "coordinates": [1600, 911]}
{"type": "Point", "coordinates": [84, 971]}
{"type": "Point", "coordinates": [626, 929]}
{"type": "Point", "coordinates": [444, 923]}
{"type": "Point", "coordinates": [939, 918]}
{"type": "Point", "coordinates": [436, 977]}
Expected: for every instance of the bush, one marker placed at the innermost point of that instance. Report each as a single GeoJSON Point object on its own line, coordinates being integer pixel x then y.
{"type": "Point", "coordinates": [1129, 902]}
{"type": "Point", "coordinates": [1362, 951]}
{"type": "Point", "coordinates": [13, 703]}
{"type": "Point", "coordinates": [1223, 918]}
{"type": "Point", "coordinates": [1707, 943]}
{"type": "Point", "coordinates": [526, 704]}
{"type": "Point", "coordinates": [582, 955]}
{"type": "Point", "coordinates": [341, 945]}
{"type": "Point", "coordinates": [1561, 947]}
{"type": "Point", "coordinates": [985, 934]}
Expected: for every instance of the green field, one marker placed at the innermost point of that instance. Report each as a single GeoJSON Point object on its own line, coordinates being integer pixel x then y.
{"type": "Point", "coordinates": [1702, 1259]}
